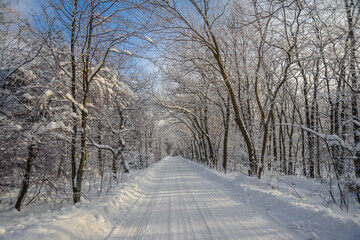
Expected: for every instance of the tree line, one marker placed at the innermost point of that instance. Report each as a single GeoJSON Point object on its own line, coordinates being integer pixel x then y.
{"type": "Point", "coordinates": [74, 110]}
{"type": "Point", "coordinates": [266, 86]}
{"type": "Point", "coordinates": [258, 86]}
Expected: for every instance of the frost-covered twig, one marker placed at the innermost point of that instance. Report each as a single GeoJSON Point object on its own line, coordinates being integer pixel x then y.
{"type": "Point", "coordinates": [287, 184]}
{"type": "Point", "coordinates": [332, 139]}
{"type": "Point", "coordinates": [101, 146]}
{"type": "Point", "coordinates": [78, 105]}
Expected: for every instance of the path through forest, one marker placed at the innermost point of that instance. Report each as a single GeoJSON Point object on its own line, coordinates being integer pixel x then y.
{"type": "Point", "coordinates": [183, 203]}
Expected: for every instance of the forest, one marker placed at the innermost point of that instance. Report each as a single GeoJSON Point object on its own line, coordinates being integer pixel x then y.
{"type": "Point", "coordinates": [91, 90]}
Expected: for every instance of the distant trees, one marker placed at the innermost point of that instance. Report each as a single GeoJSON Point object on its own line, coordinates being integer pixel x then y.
{"type": "Point", "coordinates": [288, 70]}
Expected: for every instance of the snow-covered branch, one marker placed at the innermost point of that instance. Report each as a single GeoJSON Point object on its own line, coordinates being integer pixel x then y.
{"type": "Point", "coordinates": [332, 139]}
{"type": "Point", "coordinates": [78, 105]}
{"type": "Point", "coordinates": [114, 151]}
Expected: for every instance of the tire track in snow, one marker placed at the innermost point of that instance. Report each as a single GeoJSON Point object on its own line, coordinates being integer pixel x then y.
{"type": "Point", "coordinates": [198, 208]}
{"type": "Point", "coordinates": [133, 226]}
{"type": "Point", "coordinates": [245, 200]}
{"type": "Point", "coordinates": [182, 203]}
{"type": "Point", "coordinates": [226, 209]}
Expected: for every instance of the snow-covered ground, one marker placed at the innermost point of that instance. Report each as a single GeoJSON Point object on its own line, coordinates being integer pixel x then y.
{"type": "Point", "coordinates": [179, 199]}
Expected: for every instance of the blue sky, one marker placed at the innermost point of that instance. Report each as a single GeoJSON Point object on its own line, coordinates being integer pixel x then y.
{"type": "Point", "coordinates": [26, 6]}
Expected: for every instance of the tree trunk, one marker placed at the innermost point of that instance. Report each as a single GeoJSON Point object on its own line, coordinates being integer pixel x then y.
{"type": "Point", "coordinates": [140, 154]}
{"type": "Point", "coordinates": [226, 134]}
{"type": "Point", "coordinates": [84, 112]}
{"type": "Point", "coordinates": [26, 180]}
{"type": "Point", "coordinates": [197, 155]}
{"type": "Point", "coordinates": [61, 166]}
{"type": "Point", "coordinates": [73, 94]}
{"type": "Point", "coordinates": [100, 157]}
{"type": "Point", "coordinates": [290, 160]}
{"type": "Point", "coordinates": [114, 167]}
{"type": "Point", "coordinates": [282, 149]}
{"type": "Point", "coordinates": [310, 137]}
{"type": "Point", "coordinates": [274, 147]}
{"type": "Point", "coordinates": [349, 5]}
{"type": "Point", "coordinates": [82, 164]}
{"type": "Point", "coordinates": [303, 152]}
{"type": "Point", "coordinates": [335, 126]}
{"type": "Point", "coordinates": [146, 141]}
{"type": "Point", "coordinates": [291, 169]}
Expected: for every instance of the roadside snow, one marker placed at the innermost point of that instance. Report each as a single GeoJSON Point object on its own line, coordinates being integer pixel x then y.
{"type": "Point", "coordinates": [279, 199]}
{"type": "Point", "coordinates": [264, 208]}
{"type": "Point", "coordinates": [87, 220]}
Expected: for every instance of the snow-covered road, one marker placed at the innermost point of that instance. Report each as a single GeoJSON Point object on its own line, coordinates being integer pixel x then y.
{"type": "Point", "coordinates": [179, 199]}
{"type": "Point", "coordinates": [181, 202]}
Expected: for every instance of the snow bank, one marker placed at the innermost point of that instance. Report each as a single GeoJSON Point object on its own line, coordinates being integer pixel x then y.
{"type": "Point", "coordinates": [86, 220]}
{"type": "Point", "coordinates": [307, 214]}
{"type": "Point", "coordinates": [98, 218]}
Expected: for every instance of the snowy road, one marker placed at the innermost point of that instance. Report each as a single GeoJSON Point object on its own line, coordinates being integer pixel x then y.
{"type": "Point", "coordinates": [183, 203]}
